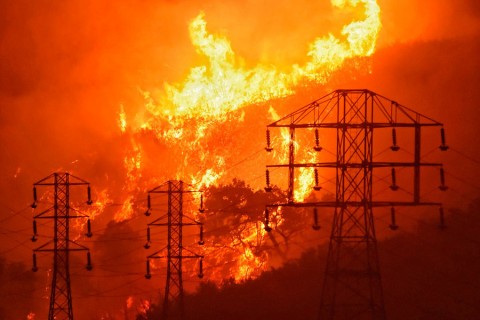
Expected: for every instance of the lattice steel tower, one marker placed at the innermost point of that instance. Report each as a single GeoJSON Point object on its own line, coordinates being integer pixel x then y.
{"type": "Point", "coordinates": [352, 285]}
{"type": "Point", "coordinates": [173, 307]}
{"type": "Point", "coordinates": [61, 245]}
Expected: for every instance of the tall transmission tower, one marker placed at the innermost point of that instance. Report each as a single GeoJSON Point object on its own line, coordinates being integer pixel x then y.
{"type": "Point", "coordinates": [352, 286]}
{"type": "Point", "coordinates": [61, 212]}
{"type": "Point", "coordinates": [174, 220]}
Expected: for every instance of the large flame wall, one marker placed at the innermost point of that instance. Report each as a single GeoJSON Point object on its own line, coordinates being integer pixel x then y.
{"type": "Point", "coordinates": [131, 94]}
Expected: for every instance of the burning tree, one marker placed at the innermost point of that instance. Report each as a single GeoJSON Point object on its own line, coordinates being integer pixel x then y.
{"type": "Point", "coordinates": [238, 244]}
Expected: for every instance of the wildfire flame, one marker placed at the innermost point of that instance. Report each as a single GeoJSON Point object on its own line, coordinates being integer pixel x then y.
{"type": "Point", "coordinates": [184, 116]}
{"type": "Point", "coordinates": [122, 119]}
{"type": "Point", "coordinates": [129, 302]}
{"type": "Point", "coordinates": [224, 85]}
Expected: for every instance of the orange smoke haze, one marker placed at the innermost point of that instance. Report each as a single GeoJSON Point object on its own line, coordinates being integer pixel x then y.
{"type": "Point", "coordinates": [107, 91]}
{"type": "Point", "coordinates": [66, 68]}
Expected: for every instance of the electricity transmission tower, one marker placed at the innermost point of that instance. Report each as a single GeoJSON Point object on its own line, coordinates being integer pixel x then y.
{"type": "Point", "coordinates": [173, 307]}
{"type": "Point", "coordinates": [352, 284]}
{"type": "Point", "coordinates": [61, 245]}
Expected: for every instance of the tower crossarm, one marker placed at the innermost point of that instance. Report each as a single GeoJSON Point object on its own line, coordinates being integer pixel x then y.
{"type": "Point", "coordinates": [324, 111]}
{"type": "Point", "coordinates": [355, 165]}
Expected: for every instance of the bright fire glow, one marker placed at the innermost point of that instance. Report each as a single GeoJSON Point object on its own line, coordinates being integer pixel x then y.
{"type": "Point", "coordinates": [122, 119]}
{"type": "Point", "coordinates": [306, 178]}
{"type": "Point", "coordinates": [225, 85]}
{"type": "Point", "coordinates": [143, 307]}
{"type": "Point", "coordinates": [133, 165]}
{"type": "Point", "coordinates": [186, 117]}
{"type": "Point", "coordinates": [129, 302]}
{"type": "Point", "coordinates": [185, 112]}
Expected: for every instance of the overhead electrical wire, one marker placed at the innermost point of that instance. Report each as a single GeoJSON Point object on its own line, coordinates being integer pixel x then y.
{"type": "Point", "coordinates": [255, 178]}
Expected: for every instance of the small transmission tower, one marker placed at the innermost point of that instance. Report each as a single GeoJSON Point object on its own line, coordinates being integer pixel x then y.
{"type": "Point", "coordinates": [174, 220]}
{"type": "Point", "coordinates": [61, 245]}
{"type": "Point", "coordinates": [352, 284]}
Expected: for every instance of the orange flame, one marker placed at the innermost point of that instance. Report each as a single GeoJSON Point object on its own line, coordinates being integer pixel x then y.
{"type": "Point", "coordinates": [306, 178]}
{"type": "Point", "coordinates": [225, 85]}
{"type": "Point", "coordinates": [184, 115]}
{"type": "Point", "coordinates": [144, 306]}
{"type": "Point", "coordinates": [212, 93]}
{"type": "Point", "coordinates": [122, 119]}
{"type": "Point", "coordinates": [129, 302]}
{"type": "Point", "coordinates": [133, 165]}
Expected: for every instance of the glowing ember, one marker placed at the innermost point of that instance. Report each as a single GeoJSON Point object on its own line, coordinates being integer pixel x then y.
{"type": "Point", "coordinates": [143, 307]}
{"type": "Point", "coordinates": [306, 179]}
{"type": "Point", "coordinates": [133, 165]}
{"type": "Point", "coordinates": [92, 211]}
{"type": "Point", "coordinates": [126, 212]}
{"type": "Point", "coordinates": [208, 179]}
{"type": "Point", "coordinates": [102, 200]}
{"type": "Point", "coordinates": [129, 302]}
{"type": "Point", "coordinates": [236, 256]}
{"type": "Point", "coordinates": [17, 172]}
{"type": "Point", "coordinates": [122, 119]}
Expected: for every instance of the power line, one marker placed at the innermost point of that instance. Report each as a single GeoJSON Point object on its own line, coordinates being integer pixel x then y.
{"type": "Point", "coordinates": [465, 155]}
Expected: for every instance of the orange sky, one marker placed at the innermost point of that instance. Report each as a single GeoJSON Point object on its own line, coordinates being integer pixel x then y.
{"type": "Point", "coordinates": [66, 67]}
{"type": "Point", "coordinates": [80, 60]}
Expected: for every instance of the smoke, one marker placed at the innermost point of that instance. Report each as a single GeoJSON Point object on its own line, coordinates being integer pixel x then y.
{"type": "Point", "coordinates": [437, 78]}
{"type": "Point", "coordinates": [66, 67]}
{"type": "Point", "coordinates": [410, 21]}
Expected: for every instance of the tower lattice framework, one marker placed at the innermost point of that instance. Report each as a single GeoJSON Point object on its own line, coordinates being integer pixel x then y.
{"type": "Point", "coordinates": [352, 286]}
{"type": "Point", "coordinates": [61, 245]}
{"type": "Point", "coordinates": [175, 220]}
